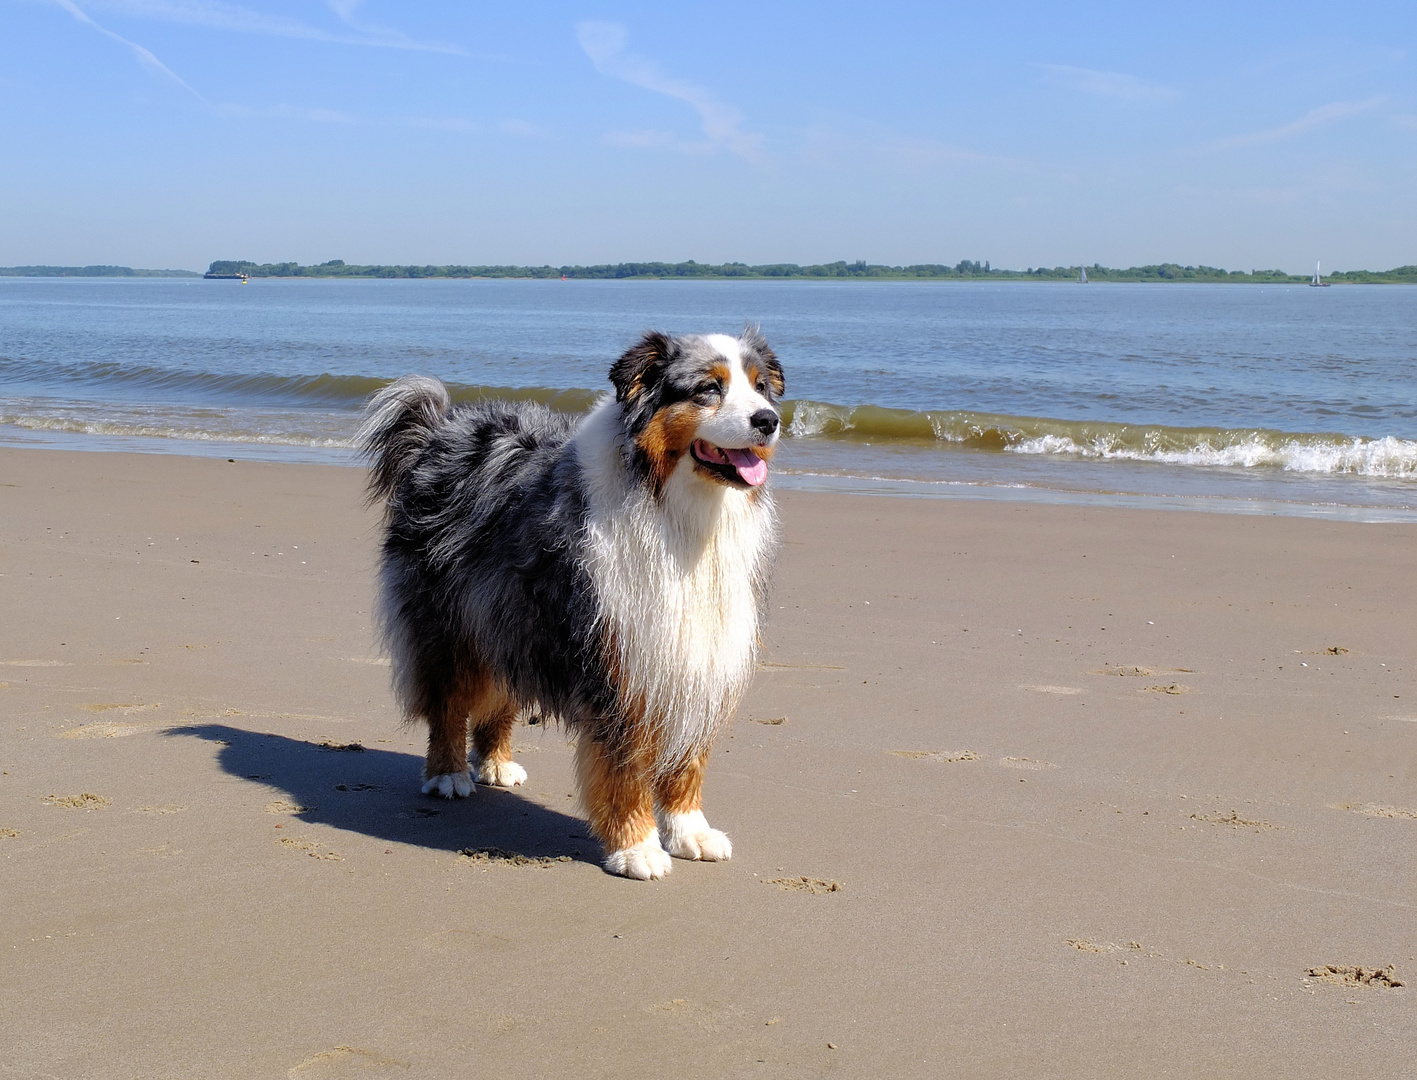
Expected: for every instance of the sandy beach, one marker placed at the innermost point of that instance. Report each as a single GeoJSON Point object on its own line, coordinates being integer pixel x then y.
{"type": "Point", "coordinates": [1020, 790]}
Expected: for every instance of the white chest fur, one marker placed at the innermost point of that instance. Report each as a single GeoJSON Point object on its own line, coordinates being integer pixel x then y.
{"type": "Point", "coordinates": [678, 579]}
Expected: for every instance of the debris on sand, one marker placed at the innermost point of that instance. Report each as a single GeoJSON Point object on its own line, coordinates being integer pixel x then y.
{"type": "Point", "coordinates": [1346, 975]}
{"type": "Point", "coordinates": [492, 856]}
{"type": "Point", "coordinates": [813, 885]}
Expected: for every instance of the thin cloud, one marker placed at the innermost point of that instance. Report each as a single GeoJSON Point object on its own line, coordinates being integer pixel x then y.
{"type": "Point", "coordinates": [1314, 118]}
{"type": "Point", "coordinates": [217, 15]}
{"type": "Point", "coordinates": [605, 44]}
{"type": "Point", "coordinates": [348, 10]}
{"type": "Point", "coordinates": [145, 57]}
{"type": "Point", "coordinates": [1113, 84]}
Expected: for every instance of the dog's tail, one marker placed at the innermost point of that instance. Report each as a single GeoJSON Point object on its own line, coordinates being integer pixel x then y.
{"type": "Point", "coordinates": [398, 422]}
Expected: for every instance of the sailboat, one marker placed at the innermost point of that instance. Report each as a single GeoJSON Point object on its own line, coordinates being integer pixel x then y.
{"type": "Point", "coordinates": [1318, 282]}
{"type": "Point", "coordinates": [1082, 275]}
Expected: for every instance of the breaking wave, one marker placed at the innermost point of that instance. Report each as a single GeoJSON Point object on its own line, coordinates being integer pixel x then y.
{"type": "Point", "coordinates": [107, 398]}
{"type": "Point", "coordinates": [1387, 457]}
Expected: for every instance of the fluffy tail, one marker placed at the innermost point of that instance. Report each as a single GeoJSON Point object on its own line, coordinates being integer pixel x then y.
{"type": "Point", "coordinates": [398, 422]}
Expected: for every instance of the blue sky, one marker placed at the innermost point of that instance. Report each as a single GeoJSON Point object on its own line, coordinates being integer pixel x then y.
{"type": "Point", "coordinates": [174, 132]}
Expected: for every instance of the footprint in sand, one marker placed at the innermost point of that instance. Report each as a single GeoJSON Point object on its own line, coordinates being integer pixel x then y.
{"type": "Point", "coordinates": [310, 847]}
{"type": "Point", "coordinates": [87, 801]}
{"type": "Point", "coordinates": [1352, 975]}
{"type": "Point", "coordinates": [937, 755]}
{"type": "Point", "coordinates": [1030, 764]}
{"type": "Point", "coordinates": [282, 806]}
{"type": "Point", "coordinates": [1084, 945]}
{"type": "Point", "coordinates": [347, 1061]}
{"type": "Point", "coordinates": [1369, 809]}
{"type": "Point", "coordinates": [348, 748]}
{"type": "Point", "coordinates": [103, 731]}
{"type": "Point", "coordinates": [491, 856]}
{"type": "Point", "coordinates": [816, 886]}
{"type": "Point", "coordinates": [1234, 820]}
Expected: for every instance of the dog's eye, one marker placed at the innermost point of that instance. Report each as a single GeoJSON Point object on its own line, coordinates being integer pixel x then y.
{"type": "Point", "coordinates": [762, 388]}
{"type": "Point", "coordinates": [712, 388]}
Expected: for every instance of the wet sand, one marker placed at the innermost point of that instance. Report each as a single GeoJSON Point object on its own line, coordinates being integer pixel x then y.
{"type": "Point", "coordinates": [1019, 790]}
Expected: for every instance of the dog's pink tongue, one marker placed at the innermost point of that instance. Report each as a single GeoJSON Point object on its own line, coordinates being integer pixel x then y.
{"type": "Point", "coordinates": [752, 469]}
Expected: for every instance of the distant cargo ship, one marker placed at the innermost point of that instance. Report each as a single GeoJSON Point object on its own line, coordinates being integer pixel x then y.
{"type": "Point", "coordinates": [225, 277]}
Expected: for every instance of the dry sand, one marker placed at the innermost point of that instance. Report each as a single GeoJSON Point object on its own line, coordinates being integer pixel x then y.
{"type": "Point", "coordinates": [1019, 791]}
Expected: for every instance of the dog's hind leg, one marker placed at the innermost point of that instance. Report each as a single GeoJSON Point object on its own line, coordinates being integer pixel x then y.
{"type": "Point", "coordinates": [615, 787]}
{"type": "Point", "coordinates": [445, 770]}
{"type": "Point", "coordinates": [678, 810]}
{"type": "Point", "coordinates": [492, 717]}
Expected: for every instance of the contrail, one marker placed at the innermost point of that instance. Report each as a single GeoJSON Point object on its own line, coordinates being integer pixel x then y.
{"type": "Point", "coordinates": [146, 58]}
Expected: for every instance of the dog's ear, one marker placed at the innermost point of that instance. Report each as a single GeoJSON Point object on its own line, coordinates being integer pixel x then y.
{"type": "Point", "coordinates": [641, 366]}
{"type": "Point", "coordinates": [756, 346]}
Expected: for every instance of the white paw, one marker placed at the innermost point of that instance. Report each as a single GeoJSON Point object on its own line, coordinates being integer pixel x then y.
{"type": "Point", "coordinates": [500, 773]}
{"type": "Point", "coordinates": [688, 836]}
{"type": "Point", "coordinates": [456, 785]}
{"type": "Point", "coordinates": [644, 862]}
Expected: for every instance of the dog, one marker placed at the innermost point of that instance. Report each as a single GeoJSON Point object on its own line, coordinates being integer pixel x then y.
{"type": "Point", "coordinates": [610, 572]}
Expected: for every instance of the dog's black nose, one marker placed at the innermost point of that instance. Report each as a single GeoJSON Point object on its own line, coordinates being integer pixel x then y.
{"type": "Point", "coordinates": [765, 420]}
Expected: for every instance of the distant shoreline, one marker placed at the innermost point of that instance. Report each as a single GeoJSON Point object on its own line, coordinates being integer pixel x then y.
{"type": "Point", "coordinates": [694, 271]}
{"type": "Point", "coordinates": [93, 272]}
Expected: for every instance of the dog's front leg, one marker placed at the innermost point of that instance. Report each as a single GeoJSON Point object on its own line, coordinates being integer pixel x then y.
{"type": "Point", "coordinates": [615, 788]}
{"type": "Point", "coordinates": [678, 809]}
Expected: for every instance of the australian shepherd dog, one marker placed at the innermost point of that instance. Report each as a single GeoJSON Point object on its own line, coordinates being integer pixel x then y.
{"type": "Point", "coordinates": [609, 572]}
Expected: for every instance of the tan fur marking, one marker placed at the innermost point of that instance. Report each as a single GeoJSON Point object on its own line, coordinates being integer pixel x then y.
{"type": "Point", "coordinates": [755, 372]}
{"type": "Point", "coordinates": [447, 729]}
{"type": "Point", "coordinates": [492, 721]}
{"type": "Point", "coordinates": [615, 790]}
{"type": "Point", "coordinates": [681, 791]}
{"type": "Point", "coordinates": [475, 701]}
{"type": "Point", "coordinates": [666, 438]}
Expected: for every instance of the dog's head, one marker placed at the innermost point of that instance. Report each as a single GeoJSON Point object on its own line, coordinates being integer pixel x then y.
{"type": "Point", "coordinates": [710, 399]}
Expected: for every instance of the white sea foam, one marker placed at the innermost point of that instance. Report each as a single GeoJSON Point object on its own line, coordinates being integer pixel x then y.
{"type": "Point", "coordinates": [295, 428]}
{"type": "Point", "coordinates": [1388, 457]}
{"type": "Point", "coordinates": [811, 418]}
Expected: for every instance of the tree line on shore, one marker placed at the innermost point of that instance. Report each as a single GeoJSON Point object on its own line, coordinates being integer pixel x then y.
{"type": "Point", "coordinates": [964, 270]}
{"type": "Point", "coordinates": [90, 271]}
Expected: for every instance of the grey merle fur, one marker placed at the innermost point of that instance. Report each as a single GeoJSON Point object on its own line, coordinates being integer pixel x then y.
{"type": "Point", "coordinates": [483, 564]}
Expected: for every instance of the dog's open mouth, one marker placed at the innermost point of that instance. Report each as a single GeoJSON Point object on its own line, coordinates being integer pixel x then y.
{"type": "Point", "coordinates": [740, 466]}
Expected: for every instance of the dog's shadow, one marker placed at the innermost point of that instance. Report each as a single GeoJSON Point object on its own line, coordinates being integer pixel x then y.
{"type": "Point", "coordinates": [376, 793]}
